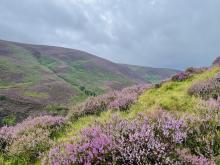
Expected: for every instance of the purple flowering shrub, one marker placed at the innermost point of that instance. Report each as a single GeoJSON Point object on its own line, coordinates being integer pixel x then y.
{"type": "Point", "coordinates": [51, 123]}
{"type": "Point", "coordinates": [140, 141]}
{"type": "Point", "coordinates": [216, 61]}
{"type": "Point", "coordinates": [29, 146]}
{"type": "Point", "coordinates": [123, 100]}
{"type": "Point", "coordinates": [204, 131]}
{"type": "Point", "coordinates": [206, 89]}
{"type": "Point", "coordinates": [94, 148]}
{"type": "Point", "coordinates": [181, 76]}
{"type": "Point", "coordinates": [160, 138]}
{"type": "Point", "coordinates": [126, 97]}
{"type": "Point", "coordinates": [187, 158]}
{"type": "Point", "coordinates": [92, 105]}
{"type": "Point", "coordinates": [192, 70]}
{"type": "Point", "coordinates": [145, 141]}
{"type": "Point", "coordinates": [6, 137]}
{"type": "Point", "coordinates": [29, 138]}
{"type": "Point", "coordinates": [117, 100]}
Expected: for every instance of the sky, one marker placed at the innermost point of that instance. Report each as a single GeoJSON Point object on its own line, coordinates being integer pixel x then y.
{"type": "Point", "coordinates": [158, 33]}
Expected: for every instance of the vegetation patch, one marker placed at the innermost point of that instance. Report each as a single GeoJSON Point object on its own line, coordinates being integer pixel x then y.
{"type": "Point", "coordinates": [56, 109]}
{"type": "Point", "coordinates": [2, 98]}
{"type": "Point", "coordinates": [206, 89]}
{"type": "Point", "coordinates": [36, 94]}
{"type": "Point", "coordinates": [9, 120]}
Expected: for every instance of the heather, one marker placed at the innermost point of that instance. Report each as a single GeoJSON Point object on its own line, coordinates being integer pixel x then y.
{"type": "Point", "coordinates": [204, 133]}
{"type": "Point", "coordinates": [171, 96]}
{"type": "Point", "coordinates": [193, 70]}
{"type": "Point", "coordinates": [139, 141]}
{"type": "Point", "coordinates": [116, 100]}
{"type": "Point", "coordinates": [26, 141]}
{"type": "Point", "coordinates": [181, 76]}
{"type": "Point", "coordinates": [206, 89]}
{"type": "Point", "coordinates": [216, 62]}
{"type": "Point", "coordinates": [109, 129]}
{"type": "Point", "coordinates": [157, 139]}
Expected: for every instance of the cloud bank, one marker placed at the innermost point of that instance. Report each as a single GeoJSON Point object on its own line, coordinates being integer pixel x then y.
{"type": "Point", "coordinates": [159, 33]}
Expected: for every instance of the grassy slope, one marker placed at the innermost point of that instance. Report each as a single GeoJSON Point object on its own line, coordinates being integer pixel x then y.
{"type": "Point", "coordinates": [172, 96]}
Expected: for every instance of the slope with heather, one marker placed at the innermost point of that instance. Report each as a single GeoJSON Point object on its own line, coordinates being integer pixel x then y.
{"type": "Point", "coordinates": [173, 122]}
{"type": "Point", "coordinates": [46, 75]}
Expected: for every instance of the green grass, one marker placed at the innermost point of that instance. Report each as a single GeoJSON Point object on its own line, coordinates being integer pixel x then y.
{"type": "Point", "coordinates": [76, 126]}
{"type": "Point", "coordinates": [36, 94]}
{"type": "Point", "coordinates": [49, 62]}
{"type": "Point", "coordinates": [172, 96]}
{"type": "Point", "coordinates": [14, 85]}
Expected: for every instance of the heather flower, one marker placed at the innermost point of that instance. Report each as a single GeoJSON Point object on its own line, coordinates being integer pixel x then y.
{"type": "Point", "coordinates": [181, 76]}
{"type": "Point", "coordinates": [216, 62]}
{"type": "Point", "coordinates": [143, 141]}
{"type": "Point", "coordinates": [45, 122]}
{"type": "Point", "coordinates": [192, 70]}
{"type": "Point", "coordinates": [125, 98]}
{"type": "Point", "coordinates": [93, 148]}
{"type": "Point", "coordinates": [92, 105]}
{"type": "Point", "coordinates": [206, 89]}
{"type": "Point", "coordinates": [117, 100]}
{"type": "Point", "coordinates": [123, 101]}
{"type": "Point", "coordinates": [140, 141]}
{"type": "Point", "coordinates": [6, 137]}
{"type": "Point", "coordinates": [29, 138]}
{"type": "Point", "coordinates": [203, 138]}
{"type": "Point", "coordinates": [30, 146]}
{"type": "Point", "coordinates": [194, 160]}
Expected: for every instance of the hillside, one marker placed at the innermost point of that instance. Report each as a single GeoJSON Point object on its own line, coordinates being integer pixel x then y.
{"type": "Point", "coordinates": [172, 122]}
{"type": "Point", "coordinates": [152, 75]}
{"type": "Point", "coordinates": [42, 75]}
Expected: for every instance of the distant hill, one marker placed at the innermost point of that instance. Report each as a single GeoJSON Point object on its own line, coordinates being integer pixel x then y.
{"type": "Point", "coordinates": [152, 75]}
{"type": "Point", "coordinates": [44, 75]}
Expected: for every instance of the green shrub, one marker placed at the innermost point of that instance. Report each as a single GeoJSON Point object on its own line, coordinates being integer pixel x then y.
{"type": "Point", "coordinates": [9, 120]}
{"type": "Point", "coordinates": [2, 98]}
{"type": "Point", "coordinates": [56, 109]}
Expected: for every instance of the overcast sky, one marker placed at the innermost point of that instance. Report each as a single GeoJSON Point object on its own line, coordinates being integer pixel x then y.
{"type": "Point", "coordinates": [159, 33]}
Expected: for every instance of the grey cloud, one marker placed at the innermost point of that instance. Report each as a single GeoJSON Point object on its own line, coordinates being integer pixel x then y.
{"type": "Point", "coordinates": [161, 33]}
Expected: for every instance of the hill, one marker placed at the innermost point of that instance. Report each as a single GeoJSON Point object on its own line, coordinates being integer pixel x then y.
{"type": "Point", "coordinates": [43, 75]}
{"type": "Point", "coordinates": [172, 122]}
{"type": "Point", "coordinates": [152, 75]}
